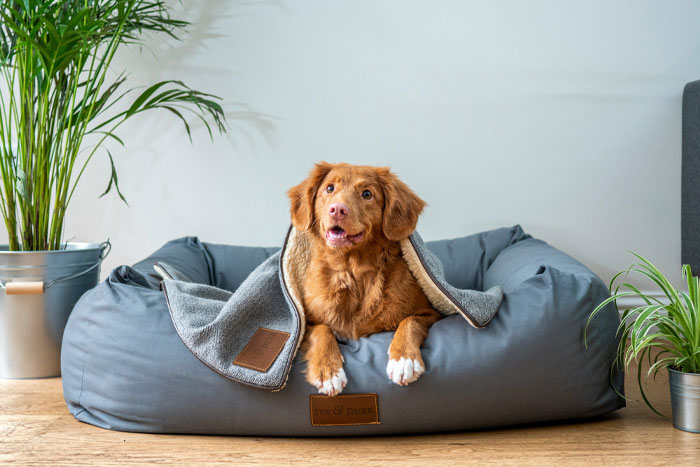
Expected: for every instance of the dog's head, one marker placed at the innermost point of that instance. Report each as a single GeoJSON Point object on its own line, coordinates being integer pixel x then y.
{"type": "Point", "coordinates": [348, 205]}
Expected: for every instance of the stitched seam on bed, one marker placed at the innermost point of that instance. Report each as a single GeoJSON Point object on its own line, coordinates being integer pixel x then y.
{"type": "Point", "coordinates": [301, 315]}
{"type": "Point", "coordinates": [82, 375]}
{"type": "Point", "coordinates": [209, 260]}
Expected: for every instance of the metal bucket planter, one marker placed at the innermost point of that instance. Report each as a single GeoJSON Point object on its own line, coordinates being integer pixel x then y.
{"type": "Point", "coordinates": [37, 293]}
{"type": "Point", "coordinates": [685, 400]}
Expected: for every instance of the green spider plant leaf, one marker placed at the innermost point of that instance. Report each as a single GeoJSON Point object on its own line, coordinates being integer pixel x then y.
{"type": "Point", "coordinates": [672, 329]}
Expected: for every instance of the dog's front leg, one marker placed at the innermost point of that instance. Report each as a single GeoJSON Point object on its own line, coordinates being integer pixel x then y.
{"type": "Point", "coordinates": [405, 360]}
{"type": "Point", "coordinates": [324, 362]}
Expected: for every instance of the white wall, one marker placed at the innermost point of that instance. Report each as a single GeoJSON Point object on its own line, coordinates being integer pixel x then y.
{"type": "Point", "coordinates": [563, 116]}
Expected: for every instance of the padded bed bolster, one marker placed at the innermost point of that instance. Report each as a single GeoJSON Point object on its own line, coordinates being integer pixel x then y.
{"type": "Point", "coordinates": [551, 294]}
{"type": "Point", "coordinates": [125, 368]}
{"type": "Point", "coordinates": [187, 254]}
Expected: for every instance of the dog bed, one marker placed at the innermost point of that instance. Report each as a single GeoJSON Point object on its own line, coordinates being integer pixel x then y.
{"type": "Point", "coordinates": [252, 335]}
{"type": "Point", "coordinates": [126, 368]}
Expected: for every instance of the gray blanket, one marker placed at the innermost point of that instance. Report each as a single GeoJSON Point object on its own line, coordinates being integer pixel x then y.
{"type": "Point", "coordinates": [218, 325]}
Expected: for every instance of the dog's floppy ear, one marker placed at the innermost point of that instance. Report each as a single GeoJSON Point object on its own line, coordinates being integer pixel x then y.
{"type": "Point", "coordinates": [401, 206]}
{"type": "Point", "coordinates": [303, 196]}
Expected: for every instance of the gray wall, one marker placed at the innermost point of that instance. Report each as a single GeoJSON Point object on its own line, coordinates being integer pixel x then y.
{"type": "Point", "coordinates": [563, 116]}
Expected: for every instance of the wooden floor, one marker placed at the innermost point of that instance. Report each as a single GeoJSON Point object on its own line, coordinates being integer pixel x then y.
{"type": "Point", "coordinates": [36, 428]}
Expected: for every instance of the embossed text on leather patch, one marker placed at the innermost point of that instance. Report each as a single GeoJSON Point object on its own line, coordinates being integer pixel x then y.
{"type": "Point", "coordinates": [262, 350]}
{"type": "Point", "coordinates": [345, 409]}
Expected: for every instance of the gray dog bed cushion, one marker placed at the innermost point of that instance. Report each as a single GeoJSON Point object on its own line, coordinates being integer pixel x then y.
{"type": "Point", "coordinates": [125, 367]}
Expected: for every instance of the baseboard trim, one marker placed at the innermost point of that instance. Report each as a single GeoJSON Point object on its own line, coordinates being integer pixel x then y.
{"type": "Point", "coordinates": [628, 303]}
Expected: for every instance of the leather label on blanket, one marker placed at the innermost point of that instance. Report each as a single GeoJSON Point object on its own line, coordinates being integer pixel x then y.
{"type": "Point", "coordinates": [262, 350]}
{"type": "Point", "coordinates": [345, 409]}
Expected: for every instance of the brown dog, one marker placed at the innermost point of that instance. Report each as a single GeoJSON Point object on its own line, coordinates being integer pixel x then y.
{"type": "Point", "coordinates": [358, 283]}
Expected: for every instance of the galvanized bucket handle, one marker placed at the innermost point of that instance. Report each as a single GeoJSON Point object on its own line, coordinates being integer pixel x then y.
{"type": "Point", "coordinates": [37, 288]}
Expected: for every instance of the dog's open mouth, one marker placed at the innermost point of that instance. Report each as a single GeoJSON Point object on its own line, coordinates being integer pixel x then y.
{"type": "Point", "coordinates": [337, 236]}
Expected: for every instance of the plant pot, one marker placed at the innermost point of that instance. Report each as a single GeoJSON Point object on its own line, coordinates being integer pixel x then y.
{"type": "Point", "coordinates": [37, 292]}
{"type": "Point", "coordinates": [685, 400]}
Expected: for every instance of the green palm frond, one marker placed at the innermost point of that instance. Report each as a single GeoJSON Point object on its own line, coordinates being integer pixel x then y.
{"type": "Point", "coordinates": [54, 61]}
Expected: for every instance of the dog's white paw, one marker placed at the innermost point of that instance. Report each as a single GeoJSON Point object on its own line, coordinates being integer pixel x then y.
{"type": "Point", "coordinates": [404, 370]}
{"type": "Point", "coordinates": [334, 385]}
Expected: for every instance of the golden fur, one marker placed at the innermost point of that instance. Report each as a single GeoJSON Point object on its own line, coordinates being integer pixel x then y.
{"type": "Point", "coordinates": [363, 285]}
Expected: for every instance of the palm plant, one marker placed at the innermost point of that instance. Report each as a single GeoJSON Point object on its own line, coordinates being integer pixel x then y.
{"type": "Point", "coordinates": [56, 96]}
{"type": "Point", "coordinates": [667, 335]}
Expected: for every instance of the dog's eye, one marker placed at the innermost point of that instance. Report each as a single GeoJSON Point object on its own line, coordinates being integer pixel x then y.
{"type": "Point", "coordinates": [330, 188]}
{"type": "Point", "coordinates": [367, 194]}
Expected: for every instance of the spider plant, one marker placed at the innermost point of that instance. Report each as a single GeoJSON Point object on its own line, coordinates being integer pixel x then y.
{"type": "Point", "coordinates": [57, 103]}
{"type": "Point", "coordinates": [667, 335]}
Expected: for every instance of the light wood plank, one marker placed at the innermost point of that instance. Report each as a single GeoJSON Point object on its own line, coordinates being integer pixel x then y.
{"type": "Point", "coordinates": [36, 428]}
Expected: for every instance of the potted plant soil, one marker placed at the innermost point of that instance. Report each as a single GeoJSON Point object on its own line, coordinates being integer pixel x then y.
{"type": "Point", "coordinates": [665, 334]}
{"type": "Point", "coordinates": [57, 108]}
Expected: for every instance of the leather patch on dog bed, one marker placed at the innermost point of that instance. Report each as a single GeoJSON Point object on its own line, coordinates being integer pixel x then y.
{"type": "Point", "coordinates": [262, 349]}
{"type": "Point", "coordinates": [345, 409]}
